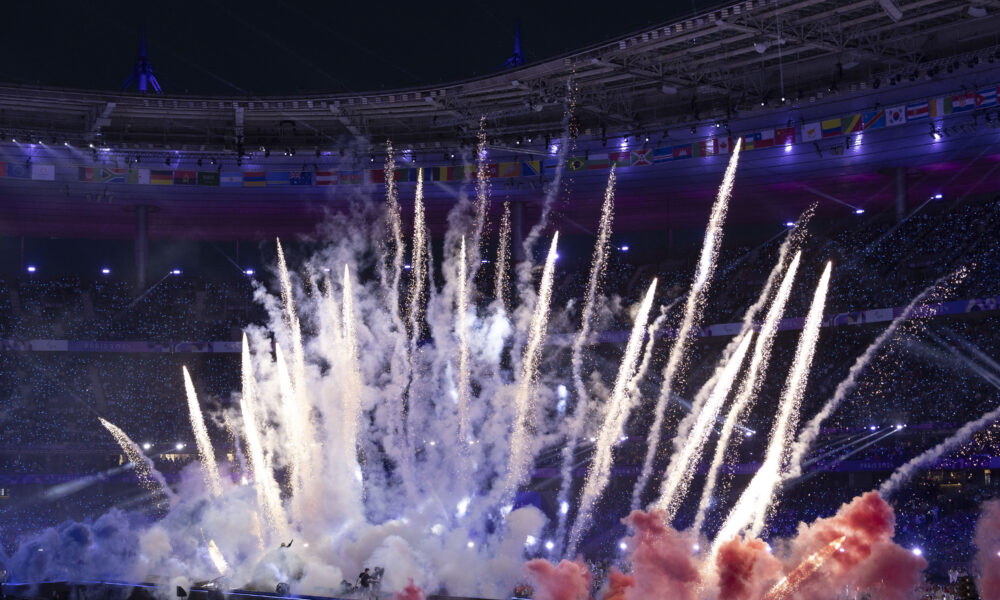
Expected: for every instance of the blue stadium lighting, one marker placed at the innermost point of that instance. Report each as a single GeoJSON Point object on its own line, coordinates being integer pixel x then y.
{"type": "Point", "coordinates": [917, 552]}
{"type": "Point", "coordinates": [696, 548]}
{"type": "Point", "coordinates": [788, 146]}
{"type": "Point", "coordinates": [938, 196]}
{"type": "Point", "coordinates": [564, 507]}
{"type": "Point", "coordinates": [407, 267]}
{"type": "Point", "coordinates": [624, 248]}
{"type": "Point", "coordinates": [859, 211]}
{"type": "Point", "coordinates": [485, 261]}
{"type": "Point", "coordinates": [146, 446]}
{"type": "Point", "coordinates": [179, 446]}
{"type": "Point", "coordinates": [176, 272]}
{"type": "Point", "coordinates": [471, 544]}
{"type": "Point", "coordinates": [31, 268]}
{"type": "Point", "coordinates": [106, 271]}
{"type": "Point", "coordinates": [549, 545]}
{"type": "Point", "coordinates": [624, 144]}
{"type": "Point", "coordinates": [872, 428]}
{"type": "Point", "coordinates": [623, 546]}
{"type": "Point", "coordinates": [789, 223]}
{"type": "Point", "coordinates": [530, 541]}
{"type": "Point", "coordinates": [898, 426]}
{"type": "Point", "coordinates": [557, 256]}
{"type": "Point", "coordinates": [249, 272]}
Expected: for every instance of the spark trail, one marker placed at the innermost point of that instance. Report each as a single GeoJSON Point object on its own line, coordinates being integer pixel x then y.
{"type": "Point", "coordinates": [261, 470]}
{"type": "Point", "coordinates": [418, 264]}
{"type": "Point", "coordinates": [462, 331]}
{"type": "Point", "coordinates": [845, 387]}
{"type": "Point", "coordinates": [598, 266]}
{"type": "Point", "coordinates": [206, 453]}
{"type": "Point", "coordinates": [503, 259]}
{"type": "Point", "coordinates": [753, 505]}
{"type": "Point", "coordinates": [682, 465]}
{"type": "Point", "coordinates": [616, 414]}
{"type": "Point", "coordinates": [751, 382]}
{"type": "Point", "coordinates": [789, 584]}
{"type": "Point", "coordinates": [958, 439]}
{"type": "Point", "coordinates": [520, 442]}
{"type": "Point", "coordinates": [149, 477]}
{"type": "Point", "coordinates": [692, 315]}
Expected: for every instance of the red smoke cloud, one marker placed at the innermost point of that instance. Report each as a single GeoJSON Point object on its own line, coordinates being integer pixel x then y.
{"type": "Point", "coordinates": [868, 560]}
{"type": "Point", "coordinates": [988, 544]}
{"type": "Point", "coordinates": [569, 580]}
{"type": "Point", "coordinates": [618, 584]}
{"type": "Point", "coordinates": [411, 592]}
{"type": "Point", "coordinates": [746, 569]}
{"type": "Point", "coordinates": [662, 561]}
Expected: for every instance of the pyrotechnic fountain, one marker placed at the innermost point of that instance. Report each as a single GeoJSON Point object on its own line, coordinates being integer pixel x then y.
{"type": "Point", "coordinates": [399, 430]}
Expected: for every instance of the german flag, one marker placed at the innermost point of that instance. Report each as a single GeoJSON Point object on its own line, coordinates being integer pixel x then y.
{"type": "Point", "coordinates": [161, 177]}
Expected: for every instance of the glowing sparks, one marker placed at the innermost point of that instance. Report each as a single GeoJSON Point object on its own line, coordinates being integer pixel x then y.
{"type": "Point", "coordinates": [206, 453]}
{"type": "Point", "coordinates": [692, 315]}
{"type": "Point", "coordinates": [218, 560]}
{"type": "Point", "coordinates": [503, 258]}
{"type": "Point", "coordinates": [753, 505]}
{"type": "Point", "coordinates": [751, 382]}
{"type": "Point", "coordinates": [462, 332]}
{"type": "Point", "coordinates": [520, 444]}
{"type": "Point", "coordinates": [598, 266]}
{"type": "Point", "coordinates": [682, 465]}
{"type": "Point", "coordinates": [786, 588]}
{"type": "Point", "coordinates": [418, 263]}
{"type": "Point", "coordinates": [149, 477]}
{"type": "Point", "coordinates": [268, 495]}
{"type": "Point", "coordinates": [616, 414]}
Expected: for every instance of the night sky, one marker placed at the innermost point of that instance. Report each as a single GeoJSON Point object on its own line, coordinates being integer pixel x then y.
{"type": "Point", "coordinates": [254, 47]}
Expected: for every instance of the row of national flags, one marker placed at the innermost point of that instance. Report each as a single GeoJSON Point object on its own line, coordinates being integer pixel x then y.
{"type": "Point", "coordinates": [965, 101]}
{"type": "Point", "coordinates": [900, 114]}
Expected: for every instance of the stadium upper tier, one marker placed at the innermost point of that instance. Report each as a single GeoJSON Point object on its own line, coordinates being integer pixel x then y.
{"type": "Point", "coordinates": [803, 81]}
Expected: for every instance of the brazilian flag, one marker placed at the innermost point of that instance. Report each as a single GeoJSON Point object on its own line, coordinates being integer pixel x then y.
{"type": "Point", "coordinates": [577, 163]}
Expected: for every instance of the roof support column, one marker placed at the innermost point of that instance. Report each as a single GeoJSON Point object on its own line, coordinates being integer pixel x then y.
{"type": "Point", "coordinates": [901, 193]}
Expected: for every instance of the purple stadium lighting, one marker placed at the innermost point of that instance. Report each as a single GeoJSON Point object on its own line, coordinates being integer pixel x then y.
{"type": "Point", "coordinates": [624, 248]}
{"type": "Point", "coordinates": [788, 146]}
{"type": "Point", "coordinates": [937, 196]}
{"type": "Point", "coordinates": [249, 272]}
{"type": "Point", "coordinates": [31, 268]}
{"type": "Point", "coordinates": [176, 272]}
{"type": "Point", "coordinates": [789, 223]}
{"type": "Point", "coordinates": [105, 271]}
{"type": "Point", "coordinates": [859, 211]}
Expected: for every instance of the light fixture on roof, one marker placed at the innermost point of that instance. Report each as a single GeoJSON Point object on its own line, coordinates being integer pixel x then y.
{"type": "Point", "coordinates": [760, 47]}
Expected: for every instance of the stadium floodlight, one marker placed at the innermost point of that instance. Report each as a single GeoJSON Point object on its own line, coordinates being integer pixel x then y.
{"type": "Point", "coordinates": [859, 211]}
{"type": "Point", "coordinates": [789, 223]}
{"type": "Point", "coordinates": [623, 546]}
{"type": "Point", "coordinates": [917, 552]}
{"type": "Point", "coordinates": [105, 271]}
{"type": "Point", "coordinates": [471, 544]}
{"type": "Point", "coordinates": [549, 545]}
{"type": "Point", "coordinates": [179, 446]}
{"type": "Point", "coordinates": [872, 428]}
{"type": "Point", "coordinates": [624, 248]}
{"type": "Point", "coordinates": [31, 268]}
{"type": "Point", "coordinates": [249, 272]}
{"type": "Point", "coordinates": [146, 446]}
{"type": "Point", "coordinates": [176, 272]}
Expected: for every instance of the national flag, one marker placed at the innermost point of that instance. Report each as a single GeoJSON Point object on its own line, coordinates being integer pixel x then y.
{"type": "Point", "coordinates": [231, 179]}
{"type": "Point", "coordinates": [277, 178]}
{"type": "Point", "coordinates": [685, 151]}
{"type": "Point", "coordinates": [531, 168]}
{"type": "Point", "coordinates": [917, 111]}
{"type": "Point", "coordinates": [144, 176]}
{"type": "Point", "coordinates": [940, 107]}
{"type": "Point", "coordinates": [620, 159]}
{"type": "Point", "coordinates": [706, 148]}
{"type": "Point", "coordinates": [724, 145]}
{"type": "Point", "coordinates": [963, 102]}
{"type": "Point", "coordinates": [412, 174]}
{"type": "Point", "coordinates": [576, 163]}
{"type": "Point", "coordinates": [895, 116]}
{"type": "Point", "coordinates": [161, 177]}
{"type": "Point", "coordinates": [132, 176]}
{"type": "Point", "coordinates": [18, 170]}
{"type": "Point", "coordinates": [640, 158]}
{"type": "Point", "coordinates": [330, 177]}
{"type": "Point", "coordinates": [492, 170]}
{"type": "Point", "coordinates": [112, 175]}
{"type": "Point", "coordinates": [764, 138]}
{"type": "Point", "coordinates": [853, 123]}
{"type": "Point", "coordinates": [749, 141]}
{"type": "Point", "coordinates": [784, 136]}
{"type": "Point", "coordinates": [662, 155]}
{"type": "Point", "coordinates": [43, 172]}
{"type": "Point", "coordinates": [301, 178]}
{"type": "Point", "coordinates": [185, 178]}
{"type": "Point", "coordinates": [254, 178]}
{"type": "Point", "coordinates": [84, 173]}
{"type": "Point", "coordinates": [812, 132]}
{"type": "Point", "coordinates": [832, 127]}
{"type": "Point", "coordinates": [209, 178]}
{"type": "Point", "coordinates": [511, 169]}
{"type": "Point", "coordinates": [355, 177]}
{"type": "Point", "coordinates": [597, 161]}
{"type": "Point", "coordinates": [986, 98]}
{"type": "Point", "coordinates": [874, 119]}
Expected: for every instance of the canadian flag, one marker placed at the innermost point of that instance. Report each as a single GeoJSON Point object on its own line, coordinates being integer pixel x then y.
{"type": "Point", "coordinates": [724, 144]}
